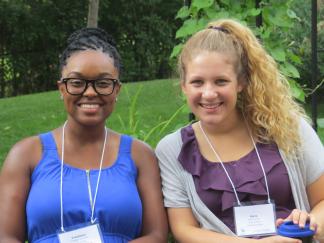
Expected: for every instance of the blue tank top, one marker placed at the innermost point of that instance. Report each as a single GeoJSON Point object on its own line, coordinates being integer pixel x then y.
{"type": "Point", "coordinates": [118, 205]}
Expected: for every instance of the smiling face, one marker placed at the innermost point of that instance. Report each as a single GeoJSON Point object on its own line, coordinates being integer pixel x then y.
{"type": "Point", "coordinates": [89, 109]}
{"type": "Point", "coordinates": [211, 86]}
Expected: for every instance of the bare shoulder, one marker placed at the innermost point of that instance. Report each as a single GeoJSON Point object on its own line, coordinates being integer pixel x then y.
{"type": "Point", "coordinates": [15, 185]}
{"type": "Point", "coordinates": [24, 154]}
{"type": "Point", "coordinates": [140, 146]}
{"type": "Point", "coordinates": [142, 153]}
{"type": "Point", "coordinates": [114, 138]}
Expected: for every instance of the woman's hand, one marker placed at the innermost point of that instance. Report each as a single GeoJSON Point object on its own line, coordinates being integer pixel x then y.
{"type": "Point", "coordinates": [299, 217]}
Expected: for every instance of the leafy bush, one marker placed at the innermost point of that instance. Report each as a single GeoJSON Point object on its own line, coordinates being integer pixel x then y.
{"type": "Point", "coordinates": [278, 20]}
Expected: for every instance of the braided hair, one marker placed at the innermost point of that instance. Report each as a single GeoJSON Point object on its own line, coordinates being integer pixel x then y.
{"type": "Point", "coordinates": [90, 39]}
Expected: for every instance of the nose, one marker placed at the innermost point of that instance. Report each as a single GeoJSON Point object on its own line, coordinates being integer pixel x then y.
{"type": "Point", "coordinates": [90, 91]}
{"type": "Point", "coordinates": [209, 91]}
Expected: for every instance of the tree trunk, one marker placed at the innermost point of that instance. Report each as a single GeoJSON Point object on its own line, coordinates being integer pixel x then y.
{"type": "Point", "coordinates": [93, 13]}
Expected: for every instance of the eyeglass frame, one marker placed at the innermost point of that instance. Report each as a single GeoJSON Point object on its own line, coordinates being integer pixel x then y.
{"type": "Point", "coordinates": [92, 81]}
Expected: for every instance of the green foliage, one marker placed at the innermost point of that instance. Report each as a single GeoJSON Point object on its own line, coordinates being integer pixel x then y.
{"type": "Point", "coordinates": [34, 33]}
{"type": "Point", "coordinates": [144, 32]}
{"type": "Point", "coordinates": [130, 125]}
{"type": "Point", "coordinates": [278, 21]}
{"type": "Point", "coordinates": [301, 44]}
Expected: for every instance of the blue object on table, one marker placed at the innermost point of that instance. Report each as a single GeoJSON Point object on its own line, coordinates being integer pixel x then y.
{"type": "Point", "coordinates": [289, 229]}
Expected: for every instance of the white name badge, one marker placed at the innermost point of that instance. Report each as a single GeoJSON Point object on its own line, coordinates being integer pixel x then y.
{"type": "Point", "coordinates": [255, 220]}
{"type": "Point", "coordinates": [87, 234]}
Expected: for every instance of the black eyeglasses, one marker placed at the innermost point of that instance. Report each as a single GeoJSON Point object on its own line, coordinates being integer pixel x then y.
{"type": "Point", "coordinates": [102, 86]}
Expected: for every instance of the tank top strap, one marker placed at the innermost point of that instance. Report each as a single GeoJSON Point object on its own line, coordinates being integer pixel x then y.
{"type": "Point", "coordinates": [48, 141]}
{"type": "Point", "coordinates": [125, 144]}
{"type": "Point", "coordinates": [125, 155]}
{"type": "Point", "coordinates": [49, 159]}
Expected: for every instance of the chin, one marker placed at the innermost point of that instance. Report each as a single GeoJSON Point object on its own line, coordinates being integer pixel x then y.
{"type": "Point", "coordinates": [90, 121]}
{"type": "Point", "coordinates": [212, 121]}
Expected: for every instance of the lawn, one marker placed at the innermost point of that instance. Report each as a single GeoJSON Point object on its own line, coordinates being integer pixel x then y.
{"type": "Point", "coordinates": [157, 101]}
{"type": "Point", "coordinates": [28, 115]}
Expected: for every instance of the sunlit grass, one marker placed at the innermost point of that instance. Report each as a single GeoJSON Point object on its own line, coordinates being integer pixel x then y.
{"type": "Point", "coordinates": [28, 115]}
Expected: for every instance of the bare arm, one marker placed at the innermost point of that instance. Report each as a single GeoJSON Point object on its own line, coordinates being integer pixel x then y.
{"type": "Point", "coordinates": [313, 156]}
{"type": "Point", "coordinates": [14, 188]}
{"type": "Point", "coordinates": [155, 227]}
{"type": "Point", "coordinates": [316, 199]}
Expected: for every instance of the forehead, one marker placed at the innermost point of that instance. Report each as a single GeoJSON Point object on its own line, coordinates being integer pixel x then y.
{"type": "Point", "coordinates": [90, 62]}
{"type": "Point", "coordinates": [210, 61]}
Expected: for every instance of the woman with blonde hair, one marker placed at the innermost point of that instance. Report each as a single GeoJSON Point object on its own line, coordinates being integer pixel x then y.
{"type": "Point", "coordinates": [251, 161]}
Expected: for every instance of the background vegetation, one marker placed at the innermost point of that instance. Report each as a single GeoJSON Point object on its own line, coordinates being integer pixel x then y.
{"type": "Point", "coordinates": [33, 34]}
{"type": "Point", "coordinates": [274, 22]}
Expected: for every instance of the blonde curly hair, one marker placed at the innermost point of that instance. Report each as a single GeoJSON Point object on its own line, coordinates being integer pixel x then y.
{"type": "Point", "coordinates": [270, 110]}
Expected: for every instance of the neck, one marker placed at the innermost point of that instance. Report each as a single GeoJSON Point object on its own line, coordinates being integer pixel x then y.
{"type": "Point", "coordinates": [81, 134]}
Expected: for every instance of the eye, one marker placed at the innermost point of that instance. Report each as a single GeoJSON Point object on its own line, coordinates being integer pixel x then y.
{"type": "Point", "coordinates": [221, 82]}
{"type": "Point", "coordinates": [196, 82]}
{"type": "Point", "coordinates": [104, 83]}
{"type": "Point", "coordinates": [75, 82]}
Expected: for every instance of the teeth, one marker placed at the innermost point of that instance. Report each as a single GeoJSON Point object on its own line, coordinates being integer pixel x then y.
{"type": "Point", "coordinates": [89, 106]}
{"type": "Point", "coordinates": [210, 106]}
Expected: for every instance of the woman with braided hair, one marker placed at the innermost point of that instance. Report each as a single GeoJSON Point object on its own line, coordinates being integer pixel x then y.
{"type": "Point", "coordinates": [250, 161]}
{"type": "Point", "coordinates": [83, 182]}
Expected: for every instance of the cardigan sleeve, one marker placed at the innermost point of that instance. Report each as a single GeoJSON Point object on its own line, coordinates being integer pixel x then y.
{"type": "Point", "coordinates": [173, 185]}
{"type": "Point", "coordinates": [312, 153]}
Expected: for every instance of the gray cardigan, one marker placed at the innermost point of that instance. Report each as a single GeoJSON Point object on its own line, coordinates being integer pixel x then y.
{"type": "Point", "coordinates": [179, 188]}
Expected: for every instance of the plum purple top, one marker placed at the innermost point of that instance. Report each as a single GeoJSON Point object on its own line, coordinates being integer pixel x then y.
{"type": "Point", "coordinates": [215, 190]}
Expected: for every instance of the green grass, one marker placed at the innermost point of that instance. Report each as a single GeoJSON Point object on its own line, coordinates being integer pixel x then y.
{"type": "Point", "coordinates": [28, 115]}
{"type": "Point", "coordinates": [157, 101]}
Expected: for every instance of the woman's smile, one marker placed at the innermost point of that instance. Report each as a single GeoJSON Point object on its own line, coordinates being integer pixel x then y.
{"type": "Point", "coordinates": [90, 105]}
{"type": "Point", "coordinates": [211, 106]}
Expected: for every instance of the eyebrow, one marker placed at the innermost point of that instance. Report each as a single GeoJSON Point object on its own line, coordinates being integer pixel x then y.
{"type": "Point", "coordinates": [78, 74]}
{"type": "Point", "coordinates": [200, 77]}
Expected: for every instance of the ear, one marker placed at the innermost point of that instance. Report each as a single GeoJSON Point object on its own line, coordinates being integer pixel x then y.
{"type": "Point", "coordinates": [183, 87]}
{"type": "Point", "coordinates": [241, 84]}
{"type": "Point", "coordinates": [118, 88]}
{"type": "Point", "coordinates": [60, 87]}
{"type": "Point", "coordinates": [240, 87]}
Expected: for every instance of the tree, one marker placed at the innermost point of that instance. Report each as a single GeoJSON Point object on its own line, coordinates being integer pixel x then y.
{"type": "Point", "coordinates": [32, 36]}
{"type": "Point", "coordinates": [93, 13]}
{"type": "Point", "coordinates": [33, 33]}
{"type": "Point", "coordinates": [301, 35]}
{"type": "Point", "coordinates": [144, 31]}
